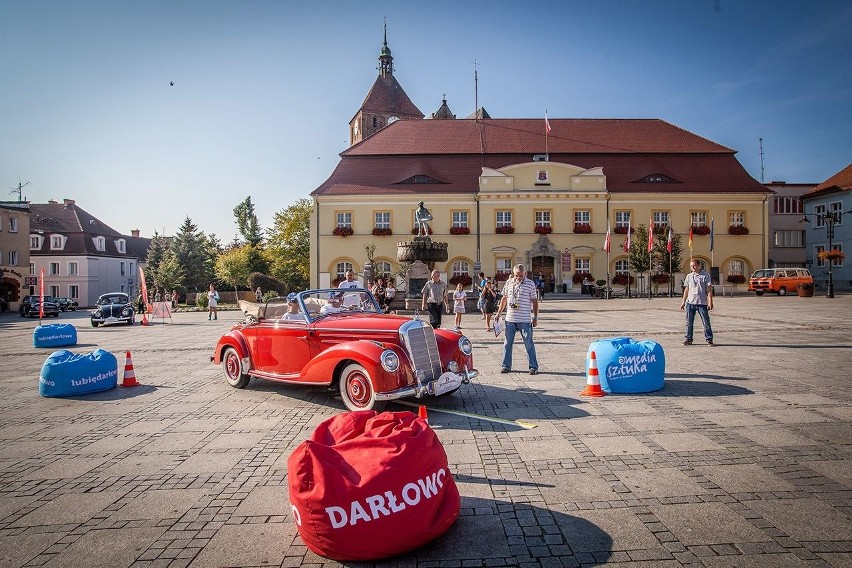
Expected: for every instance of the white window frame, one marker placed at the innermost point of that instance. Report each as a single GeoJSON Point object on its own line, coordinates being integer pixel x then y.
{"type": "Point", "coordinates": [460, 219]}
{"type": "Point", "coordinates": [13, 224]}
{"type": "Point", "coordinates": [74, 291]}
{"type": "Point", "coordinates": [382, 268]}
{"type": "Point", "coordinates": [504, 265]}
{"type": "Point", "coordinates": [100, 243]}
{"type": "Point", "coordinates": [543, 219]}
{"type": "Point", "coordinates": [122, 271]}
{"type": "Point", "coordinates": [819, 213]}
{"type": "Point", "coordinates": [622, 218]}
{"type": "Point", "coordinates": [698, 218]}
{"type": "Point", "coordinates": [836, 207]}
{"type": "Point", "coordinates": [583, 264]}
{"type": "Point", "coordinates": [341, 268]}
{"type": "Point", "coordinates": [736, 218]}
{"type": "Point", "coordinates": [344, 220]}
{"type": "Point", "coordinates": [382, 219]}
{"type": "Point", "coordinates": [622, 266]}
{"type": "Point", "coordinates": [53, 268]}
{"type": "Point", "coordinates": [54, 290]}
{"type": "Point", "coordinates": [461, 267]}
{"type": "Point", "coordinates": [661, 219]}
{"type": "Point", "coordinates": [13, 258]}
{"type": "Point", "coordinates": [73, 268]}
{"type": "Point", "coordinates": [57, 242]}
{"type": "Point", "coordinates": [582, 217]}
{"type": "Point", "coordinates": [504, 218]}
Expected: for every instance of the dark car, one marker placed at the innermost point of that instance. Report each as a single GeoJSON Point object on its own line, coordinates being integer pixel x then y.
{"type": "Point", "coordinates": [341, 339]}
{"type": "Point", "coordinates": [30, 307]}
{"type": "Point", "coordinates": [114, 307]}
{"type": "Point", "coordinates": [66, 304]}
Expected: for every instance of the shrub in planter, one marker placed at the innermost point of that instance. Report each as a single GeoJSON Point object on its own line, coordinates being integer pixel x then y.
{"type": "Point", "coordinates": [580, 276]}
{"type": "Point", "coordinates": [343, 231]}
{"type": "Point", "coordinates": [736, 279]}
{"type": "Point", "coordinates": [582, 228]}
{"type": "Point", "coordinates": [737, 230]}
{"type": "Point", "coordinates": [543, 229]}
{"type": "Point", "coordinates": [700, 230]}
{"type": "Point", "coordinates": [459, 230]}
{"type": "Point", "coordinates": [382, 232]}
{"type": "Point", "coordinates": [463, 279]}
{"type": "Point", "coordinates": [806, 289]}
{"type": "Point", "coordinates": [600, 282]}
{"type": "Point", "coordinates": [505, 230]}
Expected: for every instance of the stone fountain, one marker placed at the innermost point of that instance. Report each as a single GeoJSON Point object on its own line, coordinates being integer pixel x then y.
{"type": "Point", "coordinates": [422, 252]}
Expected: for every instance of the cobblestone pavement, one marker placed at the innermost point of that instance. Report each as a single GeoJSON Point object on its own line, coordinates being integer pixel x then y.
{"type": "Point", "coordinates": [743, 459]}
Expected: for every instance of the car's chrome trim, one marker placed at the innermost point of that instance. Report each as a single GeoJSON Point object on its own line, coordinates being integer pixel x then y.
{"type": "Point", "coordinates": [292, 378]}
{"type": "Point", "coordinates": [398, 393]}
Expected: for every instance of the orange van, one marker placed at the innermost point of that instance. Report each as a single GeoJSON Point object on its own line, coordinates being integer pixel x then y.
{"type": "Point", "coordinates": [778, 280]}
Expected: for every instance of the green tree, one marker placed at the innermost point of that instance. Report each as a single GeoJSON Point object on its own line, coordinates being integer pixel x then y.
{"type": "Point", "coordinates": [662, 255]}
{"type": "Point", "coordinates": [192, 251]}
{"type": "Point", "coordinates": [247, 223]}
{"type": "Point", "coordinates": [288, 245]}
{"type": "Point", "coordinates": [155, 256]}
{"type": "Point", "coordinates": [232, 266]}
{"type": "Point", "coordinates": [638, 257]}
{"type": "Point", "coordinates": [257, 260]}
{"type": "Point", "coordinates": [169, 274]}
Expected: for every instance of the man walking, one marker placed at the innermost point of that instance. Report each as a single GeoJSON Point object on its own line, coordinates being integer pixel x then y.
{"type": "Point", "coordinates": [698, 297]}
{"type": "Point", "coordinates": [520, 300]}
{"type": "Point", "coordinates": [434, 294]}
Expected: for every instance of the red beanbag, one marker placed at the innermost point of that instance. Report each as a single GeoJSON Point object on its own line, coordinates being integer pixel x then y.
{"type": "Point", "coordinates": [368, 486]}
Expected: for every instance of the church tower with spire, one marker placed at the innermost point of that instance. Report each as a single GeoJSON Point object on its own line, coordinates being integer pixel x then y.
{"type": "Point", "coordinates": [385, 103]}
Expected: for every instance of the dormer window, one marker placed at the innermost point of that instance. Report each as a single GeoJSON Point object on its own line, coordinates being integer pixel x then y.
{"type": "Point", "coordinates": [656, 178]}
{"type": "Point", "coordinates": [100, 243]}
{"type": "Point", "coordinates": [57, 242]}
{"type": "Point", "coordinates": [35, 242]}
{"type": "Point", "coordinates": [119, 244]}
{"type": "Point", "coordinates": [420, 179]}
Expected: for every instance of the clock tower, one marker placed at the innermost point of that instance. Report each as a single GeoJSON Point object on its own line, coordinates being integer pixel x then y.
{"type": "Point", "coordinates": [385, 103]}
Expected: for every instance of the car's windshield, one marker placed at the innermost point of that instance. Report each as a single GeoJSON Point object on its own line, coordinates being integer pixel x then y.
{"type": "Point", "coordinates": [762, 274]}
{"type": "Point", "coordinates": [338, 302]}
{"type": "Point", "coordinates": [113, 299]}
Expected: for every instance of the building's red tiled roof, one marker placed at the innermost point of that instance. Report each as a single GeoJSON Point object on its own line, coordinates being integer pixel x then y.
{"type": "Point", "coordinates": [841, 181]}
{"type": "Point", "coordinates": [79, 226]}
{"type": "Point", "coordinates": [449, 151]}
{"type": "Point", "coordinates": [527, 136]}
{"type": "Point", "coordinates": [387, 95]}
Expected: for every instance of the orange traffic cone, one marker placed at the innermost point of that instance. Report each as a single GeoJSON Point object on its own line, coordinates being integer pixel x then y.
{"type": "Point", "coordinates": [421, 413]}
{"type": "Point", "coordinates": [593, 380]}
{"type": "Point", "coordinates": [129, 374]}
{"type": "Point", "coordinates": [145, 318]}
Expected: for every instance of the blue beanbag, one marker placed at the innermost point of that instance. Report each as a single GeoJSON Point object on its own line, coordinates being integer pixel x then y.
{"type": "Point", "coordinates": [629, 366]}
{"type": "Point", "coordinates": [69, 374]}
{"type": "Point", "coordinates": [54, 335]}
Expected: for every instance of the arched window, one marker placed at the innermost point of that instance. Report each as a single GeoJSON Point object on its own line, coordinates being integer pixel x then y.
{"type": "Point", "coordinates": [341, 269]}
{"type": "Point", "coordinates": [382, 268]}
{"type": "Point", "coordinates": [622, 266]}
{"type": "Point", "coordinates": [736, 266]}
{"type": "Point", "coordinates": [461, 267]}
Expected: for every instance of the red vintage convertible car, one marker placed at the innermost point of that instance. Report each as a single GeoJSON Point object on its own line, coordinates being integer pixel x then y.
{"type": "Point", "coordinates": [341, 339]}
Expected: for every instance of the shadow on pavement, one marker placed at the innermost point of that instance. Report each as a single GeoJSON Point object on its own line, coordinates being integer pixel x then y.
{"type": "Point", "coordinates": [485, 528]}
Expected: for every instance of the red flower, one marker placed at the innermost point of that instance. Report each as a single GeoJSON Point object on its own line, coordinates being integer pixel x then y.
{"type": "Point", "coordinates": [343, 231]}
{"type": "Point", "coordinates": [543, 229]}
{"type": "Point", "coordinates": [582, 228]}
{"type": "Point", "coordinates": [459, 230]}
{"type": "Point", "coordinates": [737, 230]}
{"type": "Point", "coordinates": [504, 230]}
{"type": "Point", "coordinates": [382, 232]}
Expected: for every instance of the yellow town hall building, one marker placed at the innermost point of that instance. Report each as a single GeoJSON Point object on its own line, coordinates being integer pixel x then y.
{"type": "Point", "coordinates": [498, 199]}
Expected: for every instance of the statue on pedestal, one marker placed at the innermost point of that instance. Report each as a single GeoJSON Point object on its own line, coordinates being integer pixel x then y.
{"type": "Point", "coordinates": [422, 217]}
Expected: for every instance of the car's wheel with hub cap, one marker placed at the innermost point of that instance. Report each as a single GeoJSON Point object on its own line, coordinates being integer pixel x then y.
{"type": "Point", "coordinates": [356, 389]}
{"type": "Point", "coordinates": [782, 291]}
{"type": "Point", "coordinates": [233, 369]}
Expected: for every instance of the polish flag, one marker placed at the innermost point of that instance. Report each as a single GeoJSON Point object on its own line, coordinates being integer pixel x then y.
{"type": "Point", "coordinates": [41, 294]}
{"type": "Point", "coordinates": [627, 240]}
{"type": "Point", "coordinates": [669, 241]}
{"type": "Point", "coordinates": [606, 241]}
{"type": "Point", "coordinates": [690, 238]}
{"type": "Point", "coordinates": [651, 235]}
{"type": "Point", "coordinates": [546, 123]}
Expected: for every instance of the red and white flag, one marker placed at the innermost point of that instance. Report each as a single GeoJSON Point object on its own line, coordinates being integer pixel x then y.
{"type": "Point", "coordinates": [606, 241]}
{"type": "Point", "coordinates": [627, 239]}
{"type": "Point", "coordinates": [651, 235]}
{"type": "Point", "coordinates": [546, 123]}
{"type": "Point", "coordinates": [669, 241]}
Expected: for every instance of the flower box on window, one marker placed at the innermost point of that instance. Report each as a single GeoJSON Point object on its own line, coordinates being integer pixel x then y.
{"type": "Point", "coordinates": [623, 230]}
{"type": "Point", "coordinates": [382, 231]}
{"type": "Point", "coordinates": [505, 230]}
{"type": "Point", "coordinates": [737, 230]}
{"type": "Point", "coordinates": [834, 255]}
{"type": "Point", "coordinates": [463, 279]}
{"type": "Point", "coordinates": [543, 229]}
{"type": "Point", "coordinates": [736, 279]}
{"type": "Point", "coordinates": [580, 276]}
{"type": "Point", "coordinates": [459, 230]}
{"type": "Point", "coordinates": [343, 231]}
{"type": "Point", "coordinates": [700, 230]}
{"type": "Point", "coordinates": [582, 228]}
{"type": "Point", "coordinates": [416, 231]}
{"type": "Point", "coordinates": [622, 279]}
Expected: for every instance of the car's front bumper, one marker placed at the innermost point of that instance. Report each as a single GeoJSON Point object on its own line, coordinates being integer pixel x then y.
{"type": "Point", "coordinates": [110, 320]}
{"type": "Point", "coordinates": [445, 383]}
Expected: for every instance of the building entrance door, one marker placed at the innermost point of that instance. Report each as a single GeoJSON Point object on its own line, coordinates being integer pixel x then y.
{"type": "Point", "coordinates": [543, 264]}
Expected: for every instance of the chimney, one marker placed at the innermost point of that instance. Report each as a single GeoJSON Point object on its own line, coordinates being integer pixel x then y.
{"type": "Point", "coordinates": [68, 202]}
{"type": "Point", "coordinates": [52, 201]}
{"type": "Point", "coordinates": [134, 233]}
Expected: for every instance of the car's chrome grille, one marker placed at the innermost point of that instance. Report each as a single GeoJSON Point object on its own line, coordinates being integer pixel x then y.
{"type": "Point", "coordinates": [419, 339]}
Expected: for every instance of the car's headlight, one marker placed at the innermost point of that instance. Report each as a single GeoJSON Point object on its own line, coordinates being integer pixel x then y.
{"type": "Point", "coordinates": [465, 345]}
{"type": "Point", "coordinates": [390, 361]}
{"type": "Point", "coordinates": [125, 311]}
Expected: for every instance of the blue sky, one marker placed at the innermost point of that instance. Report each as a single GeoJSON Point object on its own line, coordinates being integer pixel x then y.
{"type": "Point", "coordinates": [264, 91]}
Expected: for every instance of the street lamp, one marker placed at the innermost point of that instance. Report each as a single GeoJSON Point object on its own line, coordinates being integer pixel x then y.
{"type": "Point", "coordinates": [830, 218]}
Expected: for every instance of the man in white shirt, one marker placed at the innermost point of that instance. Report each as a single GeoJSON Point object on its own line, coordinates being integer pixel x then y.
{"type": "Point", "coordinates": [293, 311]}
{"type": "Point", "coordinates": [520, 296]}
{"type": "Point", "coordinates": [698, 298]}
{"type": "Point", "coordinates": [350, 281]}
{"type": "Point", "coordinates": [334, 306]}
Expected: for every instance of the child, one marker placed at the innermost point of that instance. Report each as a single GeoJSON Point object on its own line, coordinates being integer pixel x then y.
{"type": "Point", "coordinates": [459, 297]}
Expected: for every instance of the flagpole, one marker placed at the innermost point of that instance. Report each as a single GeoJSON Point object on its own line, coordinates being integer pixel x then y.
{"type": "Point", "coordinates": [546, 132]}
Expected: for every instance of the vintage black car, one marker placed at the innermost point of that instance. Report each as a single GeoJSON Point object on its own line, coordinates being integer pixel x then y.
{"type": "Point", "coordinates": [67, 304]}
{"type": "Point", "coordinates": [30, 304]}
{"type": "Point", "coordinates": [114, 307]}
